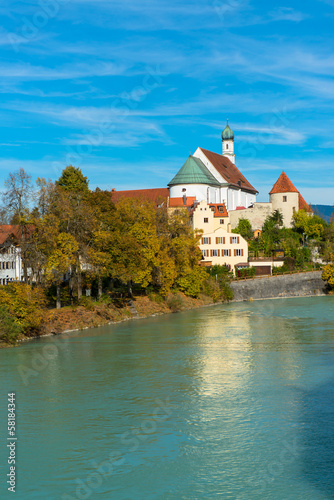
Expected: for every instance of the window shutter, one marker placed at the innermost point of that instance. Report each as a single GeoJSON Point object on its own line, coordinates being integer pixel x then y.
{"type": "Point", "coordinates": [218, 253]}
{"type": "Point", "coordinates": [242, 252]}
{"type": "Point", "coordinates": [209, 241]}
{"type": "Point", "coordinates": [229, 253]}
{"type": "Point", "coordinates": [216, 240]}
{"type": "Point", "coordinates": [210, 253]}
{"type": "Point", "coordinates": [224, 240]}
{"type": "Point", "coordinates": [231, 240]}
{"type": "Point", "coordinates": [238, 240]}
{"type": "Point", "coordinates": [235, 253]}
{"type": "Point", "coordinates": [202, 241]}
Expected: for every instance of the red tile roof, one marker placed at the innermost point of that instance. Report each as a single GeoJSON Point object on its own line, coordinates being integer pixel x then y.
{"type": "Point", "coordinates": [283, 185]}
{"type": "Point", "coordinates": [157, 195]}
{"type": "Point", "coordinates": [178, 202]}
{"type": "Point", "coordinates": [6, 230]}
{"type": "Point", "coordinates": [218, 206]}
{"type": "Point", "coordinates": [303, 205]}
{"type": "Point", "coordinates": [228, 171]}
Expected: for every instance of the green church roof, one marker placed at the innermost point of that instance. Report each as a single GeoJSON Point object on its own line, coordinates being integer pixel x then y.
{"type": "Point", "coordinates": [227, 133]}
{"type": "Point", "coordinates": [194, 172]}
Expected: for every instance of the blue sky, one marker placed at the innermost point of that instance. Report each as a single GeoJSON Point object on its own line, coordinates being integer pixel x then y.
{"type": "Point", "coordinates": [125, 89]}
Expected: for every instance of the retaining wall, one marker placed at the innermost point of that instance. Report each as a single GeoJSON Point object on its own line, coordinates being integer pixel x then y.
{"type": "Point", "coordinates": [290, 285]}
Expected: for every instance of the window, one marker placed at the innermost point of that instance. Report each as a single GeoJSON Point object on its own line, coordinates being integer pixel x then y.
{"type": "Point", "coordinates": [222, 221]}
{"type": "Point", "coordinates": [221, 209]}
{"type": "Point", "coordinates": [7, 265]}
{"type": "Point", "coordinates": [220, 240]}
{"type": "Point", "coordinates": [226, 146]}
{"type": "Point", "coordinates": [205, 253]}
{"type": "Point", "coordinates": [205, 241]}
{"type": "Point", "coordinates": [206, 219]}
{"type": "Point", "coordinates": [285, 198]}
{"type": "Point", "coordinates": [238, 252]}
{"type": "Point", "coordinates": [225, 253]}
{"type": "Point", "coordinates": [234, 240]}
{"type": "Point", "coordinates": [13, 265]}
{"type": "Point", "coordinates": [214, 253]}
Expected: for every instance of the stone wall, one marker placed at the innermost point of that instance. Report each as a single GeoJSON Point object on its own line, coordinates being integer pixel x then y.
{"type": "Point", "coordinates": [290, 285]}
{"type": "Point", "coordinates": [256, 215]}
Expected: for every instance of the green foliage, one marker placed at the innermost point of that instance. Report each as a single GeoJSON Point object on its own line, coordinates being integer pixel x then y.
{"type": "Point", "coordinates": [328, 273]}
{"type": "Point", "coordinates": [312, 226]}
{"type": "Point", "coordinates": [9, 328]}
{"type": "Point", "coordinates": [72, 179]}
{"type": "Point", "coordinates": [246, 272]}
{"type": "Point", "coordinates": [192, 283]}
{"type": "Point", "coordinates": [26, 305]}
{"type": "Point", "coordinates": [244, 228]}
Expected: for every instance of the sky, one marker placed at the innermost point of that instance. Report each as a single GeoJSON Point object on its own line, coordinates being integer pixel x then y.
{"type": "Point", "coordinates": [125, 90]}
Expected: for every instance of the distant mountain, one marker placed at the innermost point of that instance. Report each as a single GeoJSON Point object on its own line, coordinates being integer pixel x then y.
{"type": "Point", "coordinates": [325, 211]}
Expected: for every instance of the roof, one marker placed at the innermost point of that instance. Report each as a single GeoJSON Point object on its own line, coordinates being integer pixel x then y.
{"type": "Point", "coordinates": [219, 209]}
{"type": "Point", "coordinates": [228, 171]}
{"type": "Point", "coordinates": [157, 195]}
{"type": "Point", "coordinates": [7, 230]}
{"type": "Point", "coordinates": [283, 185]}
{"type": "Point", "coordinates": [303, 205]}
{"type": "Point", "coordinates": [227, 133]}
{"type": "Point", "coordinates": [178, 202]}
{"type": "Point", "coordinates": [194, 172]}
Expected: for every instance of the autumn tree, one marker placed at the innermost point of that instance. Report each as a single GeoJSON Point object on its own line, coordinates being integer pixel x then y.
{"type": "Point", "coordinates": [17, 198]}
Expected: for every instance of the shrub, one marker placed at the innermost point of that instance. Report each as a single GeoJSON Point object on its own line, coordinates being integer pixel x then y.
{"type": "Point", "coordinates": [25, 305]}
{"type": "Point", "coordinates": [9, 329]}
{"type": "Point", "coordinates": [175, 302]}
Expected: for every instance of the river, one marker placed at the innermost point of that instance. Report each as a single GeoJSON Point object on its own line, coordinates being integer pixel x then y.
{"type": "Point", "coordinates": [234, 401]}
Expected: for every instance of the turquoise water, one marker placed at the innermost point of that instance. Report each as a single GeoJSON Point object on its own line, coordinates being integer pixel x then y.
{"type": "Point", "coordinates": [234, 402]}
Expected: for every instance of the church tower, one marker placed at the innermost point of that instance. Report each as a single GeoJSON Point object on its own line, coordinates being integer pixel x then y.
{"type": "Point", "coordinates": [228, 143]}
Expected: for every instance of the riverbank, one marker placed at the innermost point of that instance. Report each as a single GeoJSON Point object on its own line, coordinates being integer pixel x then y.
{"type": "Point", "coordinates": [94, 313]}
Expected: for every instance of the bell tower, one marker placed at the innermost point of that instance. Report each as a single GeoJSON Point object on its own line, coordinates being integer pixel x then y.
{"type": "Point", "coordinates": [228, 143]}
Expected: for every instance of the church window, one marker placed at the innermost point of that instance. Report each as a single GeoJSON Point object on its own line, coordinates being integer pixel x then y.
{"type": "Point", "coordinates": [206, 219]}
{"type": "Point", "coordinates": [285, 198]}
{"type": "Point", "coordinates": [226, 146]}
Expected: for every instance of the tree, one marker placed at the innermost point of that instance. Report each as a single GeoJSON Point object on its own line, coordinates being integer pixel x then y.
{"type": "Point", "coordinates": [244, 228]}
{"type": "Point", "coordinates": [17, 199]}
{"type": "Point", "coordinates": [311, 226]}
{"type": "Point", "coordinates": [60, 261]}
{"type": "Point", "coordinates": [72, 179]}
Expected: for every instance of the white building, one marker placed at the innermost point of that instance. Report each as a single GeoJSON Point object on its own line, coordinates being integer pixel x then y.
{"type": "Point", "coordinates": [214, 178]}
{"type": "Point", "coordinates": [10, 255]}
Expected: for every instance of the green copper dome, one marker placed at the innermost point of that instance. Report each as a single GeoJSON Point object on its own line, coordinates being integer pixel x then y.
{"type": "Point", "coordinates": [227, 133]}
{"type": "Point", "coordinates": [194, 172]}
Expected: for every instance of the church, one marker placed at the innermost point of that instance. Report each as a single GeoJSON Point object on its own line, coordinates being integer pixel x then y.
{"type": "Point", "coordinates": [214, 178]}
{"type": "Point", "coordinates": [217, 195]}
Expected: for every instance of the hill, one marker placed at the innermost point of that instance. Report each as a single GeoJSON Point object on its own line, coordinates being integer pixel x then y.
{"type": "Point", "coordinates": [325, 211]}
